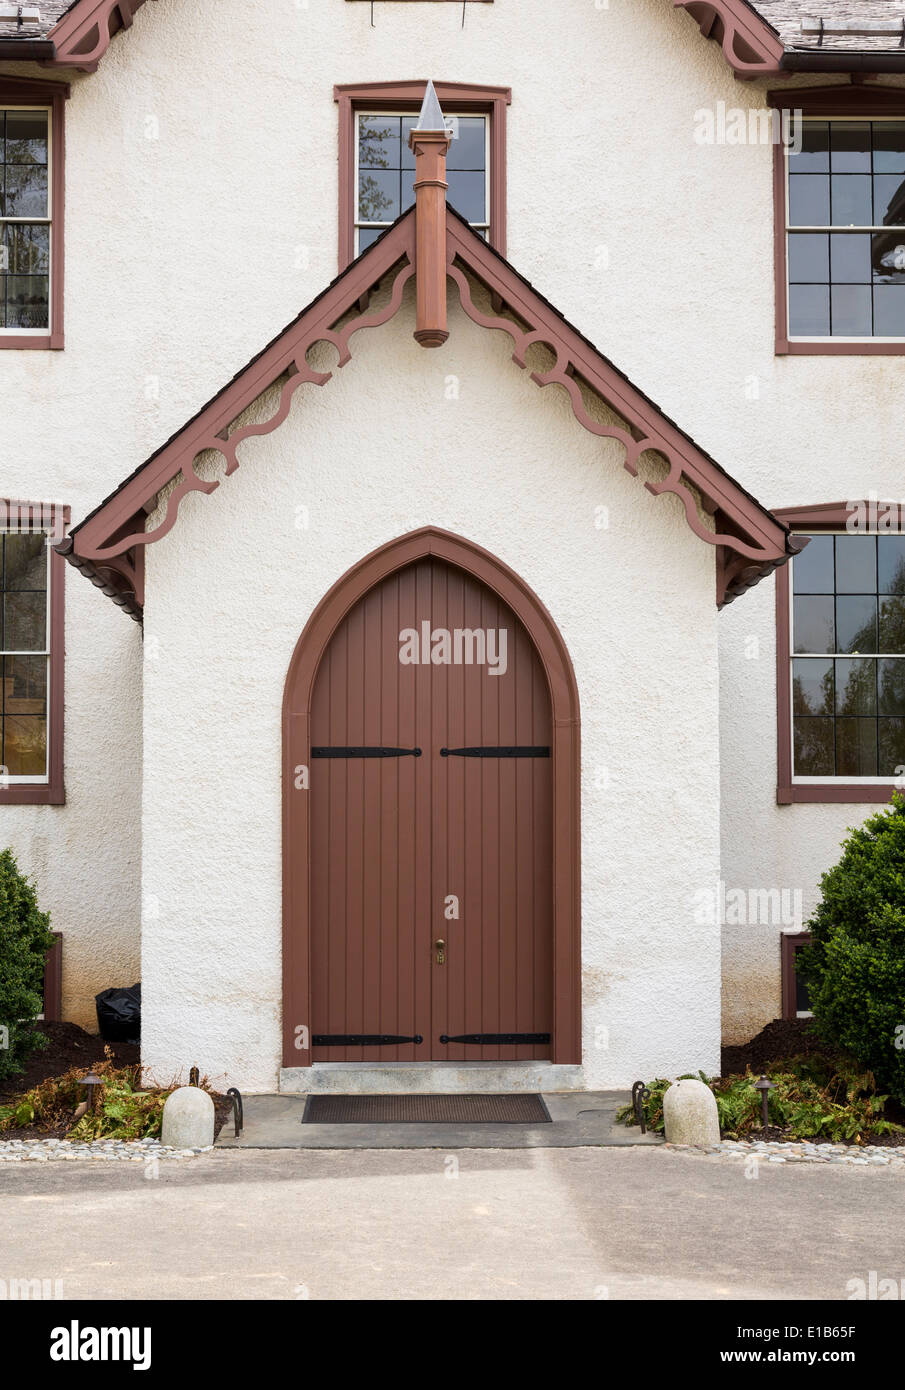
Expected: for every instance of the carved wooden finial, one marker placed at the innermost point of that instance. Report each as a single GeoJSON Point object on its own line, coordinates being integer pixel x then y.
{"type": "Point", "coordinates": [429, 140]}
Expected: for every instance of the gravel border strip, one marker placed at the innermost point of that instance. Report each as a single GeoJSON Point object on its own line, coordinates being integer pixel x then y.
{"type": "Point", "coordinates": [864, 1156]}
{"type": "Point", "coordinates": [111, 1150]}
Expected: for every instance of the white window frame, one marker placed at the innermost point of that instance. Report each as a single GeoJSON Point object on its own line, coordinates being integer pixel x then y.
{"type": "Point", "coordinates": [789, 228]}
{"type": "Point", "coordinates": [842, 778]}
{"type": "Point", "coordinates": [29, 221]}
{"type": "Point", "coordinates": [358, 225]}
{"type": "Point", "coordinates": [33, 779]}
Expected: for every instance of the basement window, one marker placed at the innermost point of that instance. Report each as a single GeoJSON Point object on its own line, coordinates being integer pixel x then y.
{"type": "Point", "coordinates": [796, 1001]}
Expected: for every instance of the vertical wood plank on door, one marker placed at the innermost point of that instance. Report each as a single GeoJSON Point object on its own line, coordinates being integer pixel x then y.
{"type": "Point", "coordinates": [392, 838]}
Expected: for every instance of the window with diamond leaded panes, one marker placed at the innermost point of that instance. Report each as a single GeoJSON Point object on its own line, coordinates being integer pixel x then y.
{"type": "Point", "coordinates": [848, 656]}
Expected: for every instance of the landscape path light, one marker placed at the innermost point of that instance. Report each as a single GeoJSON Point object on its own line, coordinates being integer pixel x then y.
{"type": "Point", "coordinates": [91, 1083]}
{"type": "Point", "coordinates": [765, 1087]}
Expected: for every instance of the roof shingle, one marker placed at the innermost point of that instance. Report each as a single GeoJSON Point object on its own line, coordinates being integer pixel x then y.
{"type": "Point", "coordinates": [51, 12]}
{"type": "Point", "coordinates": [787, 17]}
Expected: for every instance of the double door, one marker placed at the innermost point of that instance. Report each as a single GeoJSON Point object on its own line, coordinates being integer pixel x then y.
{"type": "Point", "coordinates": [431, 829]}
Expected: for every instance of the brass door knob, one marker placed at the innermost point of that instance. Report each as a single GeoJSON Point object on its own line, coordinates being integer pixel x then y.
{"type": "Point", "coordinates": [440, 948]}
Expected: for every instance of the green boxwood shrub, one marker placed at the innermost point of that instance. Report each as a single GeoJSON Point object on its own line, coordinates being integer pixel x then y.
{"type": "Point", "coordinates": [855, 966]}
{"type": "Point", "coordinates": [24, 942]}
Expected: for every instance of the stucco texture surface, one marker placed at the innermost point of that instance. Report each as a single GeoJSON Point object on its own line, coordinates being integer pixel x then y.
{"type": "Point", "coordinates": [380, 450]}
{"type": "Point", "coordinates": [84, 856]}
{"type": "Point", "coordinates": [201, 216]}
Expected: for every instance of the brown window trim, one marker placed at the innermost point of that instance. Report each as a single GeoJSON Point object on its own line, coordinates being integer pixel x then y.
{"type": "Point", "coordinates": [829, 516]}
{"type": "Point", "coordinates": [855, 99]}
{"type": "Point", "coordinates": [52, 792]}
{"type": "Point", "coordinates": [53, 95]}
{"type": "Point", "coordinates": [791, 942]}
{"type": "Point", "coordinates": [52, 1011]}
{"type": "Point", "coordinates": [408, 96]}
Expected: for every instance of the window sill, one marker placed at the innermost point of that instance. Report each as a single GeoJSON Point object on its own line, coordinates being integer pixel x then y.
{"type": "Point", "coordinates": [838, 347]}
{"type": "Point", "coordinates": [850, 793]}
{"type": "Point", "coordinates": [32, 794]}
{"type": "Point", "coordinates": [22, 343]}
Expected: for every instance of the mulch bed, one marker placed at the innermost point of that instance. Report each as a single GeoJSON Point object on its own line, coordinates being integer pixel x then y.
{"type": "Point", "coordinates": [795, 1037]}
{"type": "Point", "coordinates": [784, 1037]}
{"type": "Point", "coordinates": [69, 1046]}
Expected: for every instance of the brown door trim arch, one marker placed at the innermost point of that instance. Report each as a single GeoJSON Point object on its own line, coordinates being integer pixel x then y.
{"type": "Point", "coordinates": [297, 700]}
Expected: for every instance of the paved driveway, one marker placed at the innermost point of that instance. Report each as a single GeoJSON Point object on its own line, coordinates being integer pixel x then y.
{"type": "Point", "coordinates": [580, 1223]}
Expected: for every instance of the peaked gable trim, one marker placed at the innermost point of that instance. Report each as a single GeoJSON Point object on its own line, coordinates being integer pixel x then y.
{"type": "Point", "coordinates": [750, 540]}
{"type": "Point", "coordinates": [753, 47]}
{"type": "Point", "coordinates": [84, 33]}
{"type": "Point", "coordinates": [109, 545]}
{"type": "Point", "coordinates": [750, 45]}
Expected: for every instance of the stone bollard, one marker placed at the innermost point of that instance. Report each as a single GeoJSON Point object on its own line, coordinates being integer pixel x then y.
{"type": "Point", "coordinates": [690, 1115]}
{"type": "Point", "coordinates": [188, 1119]}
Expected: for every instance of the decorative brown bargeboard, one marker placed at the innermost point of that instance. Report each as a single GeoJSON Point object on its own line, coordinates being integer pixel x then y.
{"type": "Point", "coordinates": [83, 35]}
{"type": "Point", "coordinates": [108, 545]}
{"type": "Point", "coordinates": [751, 46]}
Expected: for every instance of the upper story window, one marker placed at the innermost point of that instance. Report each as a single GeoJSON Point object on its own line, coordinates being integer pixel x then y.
{"type": "Point", "coordinates": [846, 230]}
{"type": "Point", "coordinates": [31, 214]}
{"type": "Point", "coordinates": [386, 171]}
{"type": "Point", "coordinates": [25, 218]}
{"type": "Point", "coordinates": [840, 221]}
{"type": "Point", "coordinates": [377, 168]}
{"type": "Point", "coordinates": [31, 653]}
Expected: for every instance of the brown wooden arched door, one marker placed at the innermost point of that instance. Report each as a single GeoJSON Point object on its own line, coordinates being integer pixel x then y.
{"type": "Point", "coordinates": [432, 808]}
{"type": "Point", "coordinates": [439, 805]}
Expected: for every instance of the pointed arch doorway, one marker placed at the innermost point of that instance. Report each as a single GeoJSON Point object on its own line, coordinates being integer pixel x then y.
{"type": "Point", "coordinates": [430, 817]}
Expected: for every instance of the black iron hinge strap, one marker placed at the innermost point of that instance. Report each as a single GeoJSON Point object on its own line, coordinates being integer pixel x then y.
{"type": "Point", "coordinates": [366, 752]}
{"type": "Point", "coordinates": [361, 1039]}
{"type": "Point", "coordinates": [523, 751]}
{"type": "Point", "coordinates": [497, 1039]}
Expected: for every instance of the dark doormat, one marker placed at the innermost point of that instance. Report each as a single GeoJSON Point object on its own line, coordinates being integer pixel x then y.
{"type": "Point", "coordinates": [426, 1110]}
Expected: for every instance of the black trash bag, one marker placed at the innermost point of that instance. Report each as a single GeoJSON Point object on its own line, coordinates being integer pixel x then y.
{"type": "Point", "coordinates": [119, 1014]}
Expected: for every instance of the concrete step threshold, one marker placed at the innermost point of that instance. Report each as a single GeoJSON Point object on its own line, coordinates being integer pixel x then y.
{"type": "Point", "coordinates": [577, 1119]}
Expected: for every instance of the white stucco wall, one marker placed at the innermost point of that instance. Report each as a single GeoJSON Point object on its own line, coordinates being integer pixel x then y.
{"type": "Point", "coordinates": [380, 450]}
{"type": "Point", "coordinates": [201, 215]}
{"type": "Point", "coordinates": [85, 855]}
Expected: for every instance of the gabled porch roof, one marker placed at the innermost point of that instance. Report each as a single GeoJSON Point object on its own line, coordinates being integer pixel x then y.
{"type": "Point", "coordinates": [108, 546]}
